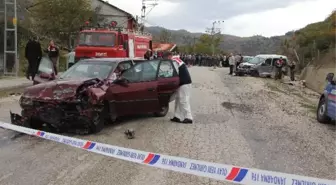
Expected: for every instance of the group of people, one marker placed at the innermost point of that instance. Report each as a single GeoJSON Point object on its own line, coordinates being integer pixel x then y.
{"type": "Point", "coordinates": [33, 53]}
{"type": "Point", "coordinates": [203, 59]}
{"type": "Point", "coordinates": [218, 60]}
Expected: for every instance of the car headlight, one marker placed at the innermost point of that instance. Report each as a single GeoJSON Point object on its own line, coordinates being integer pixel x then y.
{"type": "Point", "coordinates": [26, 101]}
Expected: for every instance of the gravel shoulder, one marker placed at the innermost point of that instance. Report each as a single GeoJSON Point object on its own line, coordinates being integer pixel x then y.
{"type": "Point", "coordinates": [238, 120]}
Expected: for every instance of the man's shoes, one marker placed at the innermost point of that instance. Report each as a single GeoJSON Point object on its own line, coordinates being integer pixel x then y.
{"type": "Point", "coordinates": [187, 121]}
{"type": "Point", "coordinates": [27, 77]}
{"type": "Point", "coordinates": [175, 119]}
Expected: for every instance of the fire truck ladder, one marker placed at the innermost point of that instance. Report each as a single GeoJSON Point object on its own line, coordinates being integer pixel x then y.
{"type": "Point", "coordinates": [10, 57]}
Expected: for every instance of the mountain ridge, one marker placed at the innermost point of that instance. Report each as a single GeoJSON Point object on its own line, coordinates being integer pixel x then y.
{"type": "Point", "coordinates": [253, 45]}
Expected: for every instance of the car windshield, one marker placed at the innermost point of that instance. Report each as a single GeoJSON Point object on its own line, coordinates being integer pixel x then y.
{"type": "Point", "coordinates": [89, 70]}
{"type": "Point", "coordinates": [246, 59]}
{"type": "Point", "coordinates": [255, 60]}
{"type": "Point", "coordinates": [97, 39]}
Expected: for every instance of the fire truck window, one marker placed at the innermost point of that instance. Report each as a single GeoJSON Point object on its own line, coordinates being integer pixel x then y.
{"type": "Point", "coordinates": [97, 39]}
{"type": "Point", "coordinates": [166, 70]}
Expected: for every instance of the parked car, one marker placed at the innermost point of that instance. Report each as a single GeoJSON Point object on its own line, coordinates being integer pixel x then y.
{"type": "Point", "coordinates": [260, 65]}
{"type": "Point", "coordinates": [326, 110]}
{"type": "Point", "coordinates": [85, 97]}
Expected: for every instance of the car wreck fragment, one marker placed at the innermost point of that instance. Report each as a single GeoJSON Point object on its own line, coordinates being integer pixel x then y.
{"type": "Point", "coordinates": [94, 92]}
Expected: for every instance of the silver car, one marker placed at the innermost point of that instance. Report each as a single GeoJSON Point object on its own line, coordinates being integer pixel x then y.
{"type": "Point", "coordinates": [260, 65]}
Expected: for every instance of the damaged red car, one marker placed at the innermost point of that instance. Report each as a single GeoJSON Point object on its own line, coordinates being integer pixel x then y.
{"type": "Point", "coordinates": [94, 92]}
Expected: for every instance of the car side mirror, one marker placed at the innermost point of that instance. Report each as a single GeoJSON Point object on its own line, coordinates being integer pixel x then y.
{"type": "Point", "coordinates": [263, 64]}
{"type": "Point", "coordinates": [330, 77]}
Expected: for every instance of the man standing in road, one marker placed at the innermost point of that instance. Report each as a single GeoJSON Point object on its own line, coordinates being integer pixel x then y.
{"type": "Point", "coordinates": [33, 54]}
{"type": "Point", "coordinates": [231, 63]}
{"type": "Point", "coordinates": [182, 101]}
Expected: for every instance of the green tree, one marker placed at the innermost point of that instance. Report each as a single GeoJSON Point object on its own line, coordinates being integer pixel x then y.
{"type": "Point", "coordinates": [205, 42]}
{"type": "Point", "coordinates": [60, 18]}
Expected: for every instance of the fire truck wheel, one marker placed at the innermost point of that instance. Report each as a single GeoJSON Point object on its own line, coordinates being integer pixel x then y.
{"type": "Point", "coordinates": [163, 112]}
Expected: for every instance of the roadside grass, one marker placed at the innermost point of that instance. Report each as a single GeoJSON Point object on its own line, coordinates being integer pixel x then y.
{"type": "Point", "coordinates": [309, 106]}
{"type": "Point", "coordinates": [304, 102]}
{"type": "Point", "coordinates": [275, 87]}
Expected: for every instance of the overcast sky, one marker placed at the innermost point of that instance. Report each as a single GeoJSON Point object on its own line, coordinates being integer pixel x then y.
{"type": "Point", "coordinates": [241, 17]}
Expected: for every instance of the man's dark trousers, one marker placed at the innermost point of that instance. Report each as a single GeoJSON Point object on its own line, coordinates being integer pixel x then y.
{"type": "Point", "coordinates": [231, 69]}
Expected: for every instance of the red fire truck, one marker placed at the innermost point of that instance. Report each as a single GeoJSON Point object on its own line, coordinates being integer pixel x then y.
{"type": "Point", "coordinates": [112, 43]}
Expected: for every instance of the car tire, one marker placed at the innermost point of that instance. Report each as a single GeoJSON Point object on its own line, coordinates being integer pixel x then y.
{"type": "Point", "coordinates": [321, 113]}
{"type": "Point", "coordinates": [255, 73]}
{"type": "Point", "coordinates": [163, 112]}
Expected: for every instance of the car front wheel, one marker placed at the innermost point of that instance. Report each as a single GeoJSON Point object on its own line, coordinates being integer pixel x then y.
{"type": "Point", "coordinates": [254, 73]}
{"type": "Point", "coordinates": [163, 112]}
{"type": "Point", "coordinates": [321, 113]}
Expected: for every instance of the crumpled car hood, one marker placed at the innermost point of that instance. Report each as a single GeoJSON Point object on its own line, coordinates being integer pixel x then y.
{"type": "Point", "coordinates": [54, 90]}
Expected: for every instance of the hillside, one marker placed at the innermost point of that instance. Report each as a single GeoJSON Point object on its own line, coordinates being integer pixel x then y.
{"type": "Point", "coordinates": [246, 45]}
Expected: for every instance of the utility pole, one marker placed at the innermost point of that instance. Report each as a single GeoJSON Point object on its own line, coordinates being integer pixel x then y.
{"type": "Point", "coordinates": [194, 44]}
{"type": "Point", "coordinates": [213, 31]}
{"type": "Point", "coordinates": [147, 4]}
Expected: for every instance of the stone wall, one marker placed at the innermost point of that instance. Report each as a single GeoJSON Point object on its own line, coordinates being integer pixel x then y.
{"type": "Point", "coordinates": [315, 74]}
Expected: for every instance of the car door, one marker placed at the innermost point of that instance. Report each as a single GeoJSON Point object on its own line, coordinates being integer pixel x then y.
{"type": "Point", "coordinates": [266, 67]}
{"type": "Point", "coordinates": [45, 71]}
{"type": "Point", "coordinates": [168, 81]}
{"type": "Point", "coordinates": [331, 101]}
{"type": "Point", "coordinates": [139, 95]}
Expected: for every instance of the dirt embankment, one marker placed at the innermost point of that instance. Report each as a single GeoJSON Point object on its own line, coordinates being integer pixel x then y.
{"type": "Point", "coordinates": [315, 74]}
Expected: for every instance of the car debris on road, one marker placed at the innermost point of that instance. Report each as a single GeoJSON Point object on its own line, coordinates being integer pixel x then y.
{"type": "Point", "coordinates": [130, 133]}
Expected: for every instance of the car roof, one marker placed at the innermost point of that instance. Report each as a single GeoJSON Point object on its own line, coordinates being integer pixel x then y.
{"type": "Point", "coordinates": [271, 56]}
{"type": "Point", "coordinates": [110, 60]}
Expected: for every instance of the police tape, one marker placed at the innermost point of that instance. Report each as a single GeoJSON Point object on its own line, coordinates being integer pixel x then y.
{"type": "Point", "coordinates": [222, 172]}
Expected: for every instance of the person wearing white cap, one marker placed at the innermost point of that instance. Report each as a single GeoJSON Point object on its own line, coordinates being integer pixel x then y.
{"type": "Point", "coordinates": [182, 100]}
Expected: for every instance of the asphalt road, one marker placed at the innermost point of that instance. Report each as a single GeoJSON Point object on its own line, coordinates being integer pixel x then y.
{"type": "Point", "coordinates": [243, 121]}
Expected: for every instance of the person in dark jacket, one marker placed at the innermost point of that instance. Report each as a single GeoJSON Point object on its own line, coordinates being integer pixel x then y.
{"type": "Point", "coordinates": [33, 53]}
{"type": "Point", "coordinates": [182, 101]}
{"type": "Point", "coordinates": [148, 55]}
{"type": "Point", "coordinates": [53, 54]}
